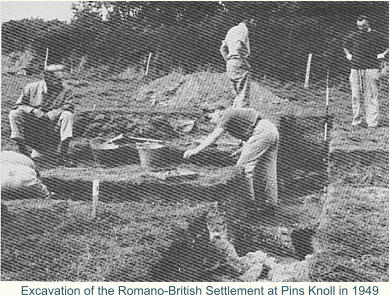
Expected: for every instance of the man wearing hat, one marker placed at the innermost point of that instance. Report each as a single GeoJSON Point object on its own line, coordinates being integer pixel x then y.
{"type": "Point", "coordinates": [258, 158]}
{"type": "Point", "coordinates": [365, 49]}
{"type": "Point", "coordinates": [42, 104]}
{"type": "Point", "coordinates": [235, 50]}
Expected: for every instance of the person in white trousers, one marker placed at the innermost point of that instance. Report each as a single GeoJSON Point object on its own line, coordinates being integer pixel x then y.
{"type": "Point", "coordinates": [365, 49]}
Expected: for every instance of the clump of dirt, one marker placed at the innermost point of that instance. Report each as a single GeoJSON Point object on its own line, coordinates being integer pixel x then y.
{"type": "Point", "coordinates": [198, 90]}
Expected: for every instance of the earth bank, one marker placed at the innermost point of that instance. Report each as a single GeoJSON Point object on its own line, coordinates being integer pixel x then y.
{"type": "Point", "coordinates": [144, 216]}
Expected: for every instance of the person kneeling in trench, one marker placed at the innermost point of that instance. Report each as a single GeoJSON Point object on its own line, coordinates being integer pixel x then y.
{"type": "Point", "coordinates": [258, 156]}
{"type": "Point", "coordinates": [42, 104]}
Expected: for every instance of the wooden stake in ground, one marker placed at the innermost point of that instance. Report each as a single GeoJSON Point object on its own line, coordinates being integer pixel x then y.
{"type": "Point", "coordinates": [308, 71]}
{"type": "Point", "coordinates": [147, 65]}
{"type": "Point", "coordinates": [326, 107]}
{"type": "Point", "coordinates": [95, 196]}
{"type": "Point", "coordinates": [326, 145]}
{"type": "Point", "coordinates": [47, 56]}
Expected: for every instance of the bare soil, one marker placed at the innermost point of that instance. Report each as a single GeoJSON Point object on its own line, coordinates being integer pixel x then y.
{"type": "Point", "coordinates": [143, 222]}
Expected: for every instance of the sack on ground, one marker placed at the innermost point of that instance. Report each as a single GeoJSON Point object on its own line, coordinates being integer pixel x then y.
{"type": "Point", "coordinates": [21, 182]}
{"type": "Point", "coordinates": [14, 158]}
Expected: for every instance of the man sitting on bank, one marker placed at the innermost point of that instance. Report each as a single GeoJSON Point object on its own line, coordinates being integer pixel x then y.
{"type": "Point", "coordinates": [45, 101]}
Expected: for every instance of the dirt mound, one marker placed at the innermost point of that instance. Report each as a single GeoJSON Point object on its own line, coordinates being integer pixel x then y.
{"type": "Point", "coordinates": [198, 90]}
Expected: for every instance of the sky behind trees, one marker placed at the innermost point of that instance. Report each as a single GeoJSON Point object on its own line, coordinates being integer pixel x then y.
{"type": "Point", "coordinates": [48, 10]}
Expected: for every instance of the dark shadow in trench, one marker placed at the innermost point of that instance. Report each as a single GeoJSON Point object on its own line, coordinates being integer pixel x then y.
{"type": "Point", "coordinates": [302, 158]}
{"type": "Point", "coordinates": [191, 257]}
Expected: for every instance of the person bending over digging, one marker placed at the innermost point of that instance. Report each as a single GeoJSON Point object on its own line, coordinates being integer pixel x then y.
{"type": "Point", "coordinates": [258, 154]}
{"type": "Point", "coordinates": [48, 102]}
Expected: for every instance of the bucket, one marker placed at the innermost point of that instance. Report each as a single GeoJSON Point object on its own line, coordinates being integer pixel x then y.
{"type": "Point", "coordinates": [151, 154]}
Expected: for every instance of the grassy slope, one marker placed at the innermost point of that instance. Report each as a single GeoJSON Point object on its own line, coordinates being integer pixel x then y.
{"type": "Point", "coordinates": [347, 173]}
{"type": "Point", "coordinates": [360, 253]}
{"type": "Point", "coordinates": [353, 236]}
{"type": "Point", "coordinates": [120, 98]}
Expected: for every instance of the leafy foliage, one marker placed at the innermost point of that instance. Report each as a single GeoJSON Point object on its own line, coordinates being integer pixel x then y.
{"type": "Point", "coordinates": [187, 35]}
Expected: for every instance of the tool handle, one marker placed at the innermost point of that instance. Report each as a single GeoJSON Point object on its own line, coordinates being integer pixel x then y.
{"type": "Point", "coordinates": [143, 139]}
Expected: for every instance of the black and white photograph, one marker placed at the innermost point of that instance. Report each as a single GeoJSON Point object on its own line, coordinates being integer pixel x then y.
{"type": "Point", "coordinates": [195, 141]}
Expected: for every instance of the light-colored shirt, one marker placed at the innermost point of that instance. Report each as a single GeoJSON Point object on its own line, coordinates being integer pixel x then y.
{"type": "Point", "coordinates": [35, 96]}
{"type": "Point", "coordinates": [236, 43]}
{"type": "Point", "coordinates": [32, 96]}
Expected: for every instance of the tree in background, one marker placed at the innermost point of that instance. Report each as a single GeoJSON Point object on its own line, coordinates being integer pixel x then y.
{"type": "Point", "coordinates": [188, 34]}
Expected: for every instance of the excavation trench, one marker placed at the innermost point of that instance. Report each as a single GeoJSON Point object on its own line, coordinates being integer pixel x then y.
{"type": "Point", "coordinates": [301, 168]}
{"type": "Point", "coordinates": [285, 235]}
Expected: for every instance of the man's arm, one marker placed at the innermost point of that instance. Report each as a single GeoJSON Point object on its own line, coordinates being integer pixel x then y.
{"type": "Point", "coordinates": [242, 49]}
{"type": "Point", "coordinates": [209, 140]}
{"type": "Point", "coordinates": [381, 42]}
{"type": "Point", "coordinates": [224, 50]}
{"type": "Point", "coordinates": [68, 102]}
{"type": "Point", "coordinates": [348, 55]}
{"type": "Point", "coordinates": [347, 43]}
{"type": "Point", "coordinates": [245, 42]}
{"type": "Point", "coordinates": [22, 102]}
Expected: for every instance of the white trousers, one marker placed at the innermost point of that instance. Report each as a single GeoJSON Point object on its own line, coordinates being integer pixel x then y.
{"type": "Point", "coordinates": [237, 70]}
{"type": "Point", "coordinates": [364, 86]}
{"type": "Point", "coordinates": [259, 160]}
{"type": "Point", "coordinates": [64, 120]}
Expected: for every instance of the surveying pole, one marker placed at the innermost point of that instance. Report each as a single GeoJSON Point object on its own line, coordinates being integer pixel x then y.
{"type": "Point", "coordinates": [307, 76]}
{"type": "Point", "coordinates": [326, 106]}
{"type": "Point", "coordinates": [326, 131]}
{"type": "Point", "coordinates": [47, 56]}
{"type": "Point", "coordinates": [147, 65]}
